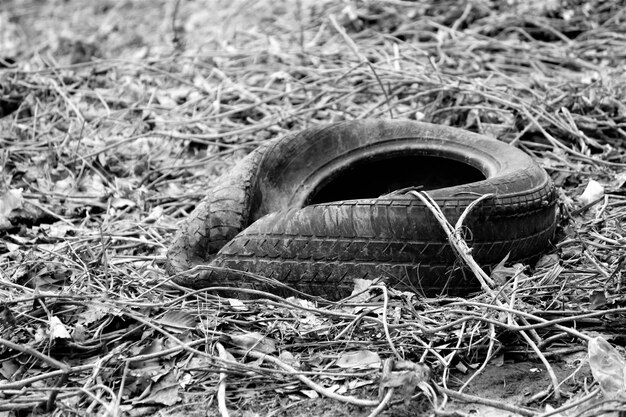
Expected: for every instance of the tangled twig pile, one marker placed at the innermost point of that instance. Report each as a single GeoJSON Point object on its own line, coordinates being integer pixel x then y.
{"type": "Point", "coordinates": [110, 132]}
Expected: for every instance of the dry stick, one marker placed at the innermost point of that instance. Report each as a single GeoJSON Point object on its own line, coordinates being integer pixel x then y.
{"type": "Point", "coordinates": [455, 238]}
{"type": "Point", "coordinates": [319, 389]}
{"type": "Point", "coordinates": [542, 322]}
{"type": "Point", "coordinates": [257, 355]}
{"type": "Point", "coordinates": [565, 407]}
{"type": "Point", "coordinates": [492, 336]}
{"type": "Point", "coordinates": [24, 405]}
{"type": "Point", "coordinates": [33, 352]}
{"type": "Point", "coordinates": [460, 246]}
{"type": "Point", "coordinates": [97, 367]}
{"type": "Point", "coordinates": [117, 399]}
{"type": "Point", "coordinates": [383, 404]}
{"type": "Point", "coordinates": [429, 349]}
{"type": "Point", "coordinates": [65, 369]}
{"type": "Point", "coordinates": [24, 382]}
{"type": "Point", "coordinates": [558, 144]}
{"type": "Point", "coordinates": [476, 268]}
{"type": "Point", "coordinates": [96, 398]}
{"type": "Point", "coordinates": [446, 364]}
{"type": "Point", "coordinates": [354, 322]}
{"type": "Point", "coordinates": [221, 387]}
{"type": "Point", "coordinates": [361, 58]}
{"type": "Point", "coordinates": [385, 325]}
{"type": "Point", "coordinates": [501, 405]}
{"type": "Point", "coordinates": [69, 102]}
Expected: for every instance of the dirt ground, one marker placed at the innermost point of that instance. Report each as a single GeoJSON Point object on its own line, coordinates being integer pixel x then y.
{"type": "Point", "coordinates": [116, 115]}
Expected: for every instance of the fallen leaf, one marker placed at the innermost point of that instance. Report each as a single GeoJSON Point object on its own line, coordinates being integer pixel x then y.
{"type": "Point", "coordinates": [254, 341]}
{"type": "Point", "coordinates": [58, 329]}
{"type": "Point", "coordinates": [358, 383]}
{"type": "Point", "coordinates": [177, 321]}
{"type": "Point", "coordinates": [8, 368]}
{"type": "Point", "coordinates": [237, 304]}
{"type": "Point", "coordinates": [119, 203]}
{"type": "Point", "coordinates": [460, 366]}
{"type": "Point", "coordinates": [58, 229]}
{"type": "Point", "coordinates": [92, 185]}
{"type": "Point", "coordinates": [406, 376]}
{"type": "Point", "coordinates": [593, 192]}
{"type": "Point", "coordinates": [79, 333]}
{"type": "Point", "coordinates": [64, 186]}
{"type": "Point", "coordinates": [155, 214]}
{"type": "Point", "coordinates": [165, 391]}
{"type": "Point", "coordinates": [547, 261]}
{"type": "Point", "coordinates": [9, 201]}
{"type": "Point", "coordinates": [94, 313]}
{"type": "Point", "coordinates": [608, 368]}
{"type": "Point", "coordinates": [310, 393]}
{"type": "Point", "coordinates": [289, 359]}
{"type": "Point", "coordinates": [358, 359]}
{"type": "Point", "coordinates": [618, 182]}
{"type": "Point", "coordinates": [498, 361]}
{"type": "Point", "coordinates": [597, 299]}
{"type": "Point", "coordinates": [148, 365]}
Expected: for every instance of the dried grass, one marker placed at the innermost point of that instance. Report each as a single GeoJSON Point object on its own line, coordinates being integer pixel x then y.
{"type": "Point", "coordinates": [115, 122]}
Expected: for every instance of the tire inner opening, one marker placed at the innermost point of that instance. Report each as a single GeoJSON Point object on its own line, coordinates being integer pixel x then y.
{"type": "Point", "coordinates": [374, 177]}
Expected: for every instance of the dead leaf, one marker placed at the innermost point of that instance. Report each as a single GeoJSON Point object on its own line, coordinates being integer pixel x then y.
{"type": "Point", "coordinates": [358, 383]}
{"type": "Point", "coordinates": [608, 368]}
{"type": "Point", "coordinates": [224, 354]}
{"type": "Point", "coordinates": [41, 334]}
{"type": "Point", "coordinates": [361, 285]}
{"type": "Point", "coordinates": [79, 333]}
{"type": "Point", "coordinates": [597, 299]}
{"type": "Point", "coordinates": [501, 274]}
{"type": "Point", "coordinates": [547, 261]}
{"type": "Point", "coordinates": [358, 359]}
{"type": "Point", "coordinates": [9, 201]}
{"type": "Point", "coordinates": [618, 182]}
{"type": "Point", "coordinates": [49, 281]}
{"type": "Point", "coordinates": [8, 368]}
{"type": "Point", "coordinates": [498, 361]}
{"type": "Point", "coordinates": [58, 229]}
{"type": "Point", "coordinates": [58, 329]}
{"type": "Point", "coordinates": [593, 192]}
{"type": "Point", "coordinates": [310, 393]}
{"type": "Point", "coordinates": [120, 203]}
{"type": "Point", "coordinates": [460, 366]}
{"type": "Point", "coordinates": [407, 376]}
{"type": "Point", "coordinates": [166, 101]}
{"type": "Point", "coordinates": [165, 391]}
{"type": "Point", "coordinates": [7, 318]}
{"type": "Point", "coordinates": [254, 341]}
{"type": "Point", "coordinates": [178, 321]}
{"type": "Point", "coordinates": [156, 346]}
{"type": "Point", "coordinates": [92, 185]}
{"type": "Point", "coordinates": [94, 313]}
{"type": "Point", "coordinates": [155, 214]}
{"type": "Point", "coordinates": [65, 186]}
{"type": "Point", "coordinates": [237, 304]}
{"type": "Point", "coordinates": [289, 359]}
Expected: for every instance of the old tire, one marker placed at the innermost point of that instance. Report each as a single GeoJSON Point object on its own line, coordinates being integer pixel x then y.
{"type": "Point", "coordinates": [312, 243]}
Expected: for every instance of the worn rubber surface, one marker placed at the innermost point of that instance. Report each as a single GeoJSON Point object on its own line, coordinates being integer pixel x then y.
{"type": "Point", "coordinates": [258, 219]}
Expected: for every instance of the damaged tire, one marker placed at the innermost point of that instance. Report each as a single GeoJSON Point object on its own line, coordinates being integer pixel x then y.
{"type": "Point", "coordinates": [307, 210]}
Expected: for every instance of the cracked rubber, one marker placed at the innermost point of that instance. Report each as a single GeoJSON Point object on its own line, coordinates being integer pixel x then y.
{"type": "Point", "coordinates": [257, 218]}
